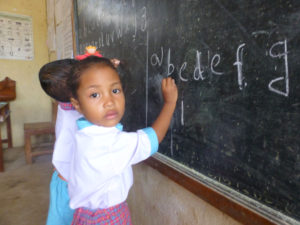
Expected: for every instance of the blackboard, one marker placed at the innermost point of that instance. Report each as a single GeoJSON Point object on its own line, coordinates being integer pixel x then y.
{"type": "Point", "coordinates": [237, 67]}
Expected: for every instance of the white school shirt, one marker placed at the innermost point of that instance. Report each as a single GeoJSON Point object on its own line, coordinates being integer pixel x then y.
{"type": "Point", "coordinates": [65, 129]}
{"type": "Point", "coordinates": [101, 174]}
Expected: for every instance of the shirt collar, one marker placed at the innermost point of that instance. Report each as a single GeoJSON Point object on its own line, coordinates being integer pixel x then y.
{"type": "Point", "coordinates": [83, 123]}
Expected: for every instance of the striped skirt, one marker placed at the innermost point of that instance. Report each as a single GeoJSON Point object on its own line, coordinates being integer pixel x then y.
{"type": "Point", "coordinates": [116, 215]}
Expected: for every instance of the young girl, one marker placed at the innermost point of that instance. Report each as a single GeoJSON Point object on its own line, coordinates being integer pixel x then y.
{"type": "Point", "coordinates": [101, 174]}
{"type": "Point", "coordinates": [53, 78]}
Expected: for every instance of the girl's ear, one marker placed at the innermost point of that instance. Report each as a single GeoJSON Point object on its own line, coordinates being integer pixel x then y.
{"type": "Point", "coordinates": [76, 104]}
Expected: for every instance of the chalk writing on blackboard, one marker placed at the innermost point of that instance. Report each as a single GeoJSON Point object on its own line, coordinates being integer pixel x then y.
{"type": "Point", "coordinates": [284, 78]}
{"type": "Point", "coordinates": [199, 73]}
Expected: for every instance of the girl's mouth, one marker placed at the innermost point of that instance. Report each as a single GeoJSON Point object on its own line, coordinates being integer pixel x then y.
{"type": "Point", "coordinates": [111, 115]}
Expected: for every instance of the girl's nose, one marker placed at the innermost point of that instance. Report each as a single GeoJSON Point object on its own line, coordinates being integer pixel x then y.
{"type": "Point", "coordinates": [108, 100]}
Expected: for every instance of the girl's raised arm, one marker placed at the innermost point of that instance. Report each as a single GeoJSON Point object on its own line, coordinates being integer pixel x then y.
{"type": "Point", "coordinates": [170, 94]}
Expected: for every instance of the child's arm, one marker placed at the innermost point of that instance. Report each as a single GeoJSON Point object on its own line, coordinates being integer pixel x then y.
{"type": "Point", "coordinates": [170, 94]}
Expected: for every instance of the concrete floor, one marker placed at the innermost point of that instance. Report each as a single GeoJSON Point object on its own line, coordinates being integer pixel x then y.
{"type": "Point", "coordinates": [24, 189]}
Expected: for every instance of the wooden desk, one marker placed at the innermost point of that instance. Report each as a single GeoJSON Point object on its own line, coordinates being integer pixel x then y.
{"type": "Point", "coordinates": [5, 117]}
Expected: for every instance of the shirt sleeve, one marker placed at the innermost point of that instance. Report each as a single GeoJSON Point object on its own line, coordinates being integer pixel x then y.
{"type": "Point", "coordinates": [153, 139]}
{"type": "Point", "coordinates": [133, 147]}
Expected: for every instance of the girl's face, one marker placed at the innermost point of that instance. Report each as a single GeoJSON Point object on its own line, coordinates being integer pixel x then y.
{"type": "Point", "coordinates": [100, 96]}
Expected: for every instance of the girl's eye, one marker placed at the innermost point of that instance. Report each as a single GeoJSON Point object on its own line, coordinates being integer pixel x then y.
{"type": "Point", "coordinates": [116, 91]}
{"type": "Point", "coordinates": [94, 95]}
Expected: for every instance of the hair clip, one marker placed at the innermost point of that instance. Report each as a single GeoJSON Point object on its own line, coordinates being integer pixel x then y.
{"type": "Point", "coordinates": [89, 51]}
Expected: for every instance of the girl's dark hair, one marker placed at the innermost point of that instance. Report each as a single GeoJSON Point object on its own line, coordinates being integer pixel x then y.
{"type": "Point", "coordinates": [53, 78]}
{"type": "Point", "coordinates": [81, 66]}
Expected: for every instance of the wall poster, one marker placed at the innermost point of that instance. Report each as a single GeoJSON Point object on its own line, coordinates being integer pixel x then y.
{"type": "Point", "coordinates": [16, 36]}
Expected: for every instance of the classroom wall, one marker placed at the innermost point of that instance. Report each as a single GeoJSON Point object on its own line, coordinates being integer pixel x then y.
{"type": "Point", "coordinates": [31, 104]}
{"type": "Point", "coordinates": [155, 200]}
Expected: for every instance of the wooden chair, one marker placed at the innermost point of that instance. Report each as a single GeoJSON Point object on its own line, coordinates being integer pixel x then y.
{"type": "Point", "coordinates": [38, 128]}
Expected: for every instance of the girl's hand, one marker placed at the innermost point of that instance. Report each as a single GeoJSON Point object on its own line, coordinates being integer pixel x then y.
{"type": "Point", "coordinates": [169, 90]}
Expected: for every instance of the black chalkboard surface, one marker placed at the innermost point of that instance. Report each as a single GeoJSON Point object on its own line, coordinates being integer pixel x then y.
{"type": "Point", "coordinates": [237, 67]}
